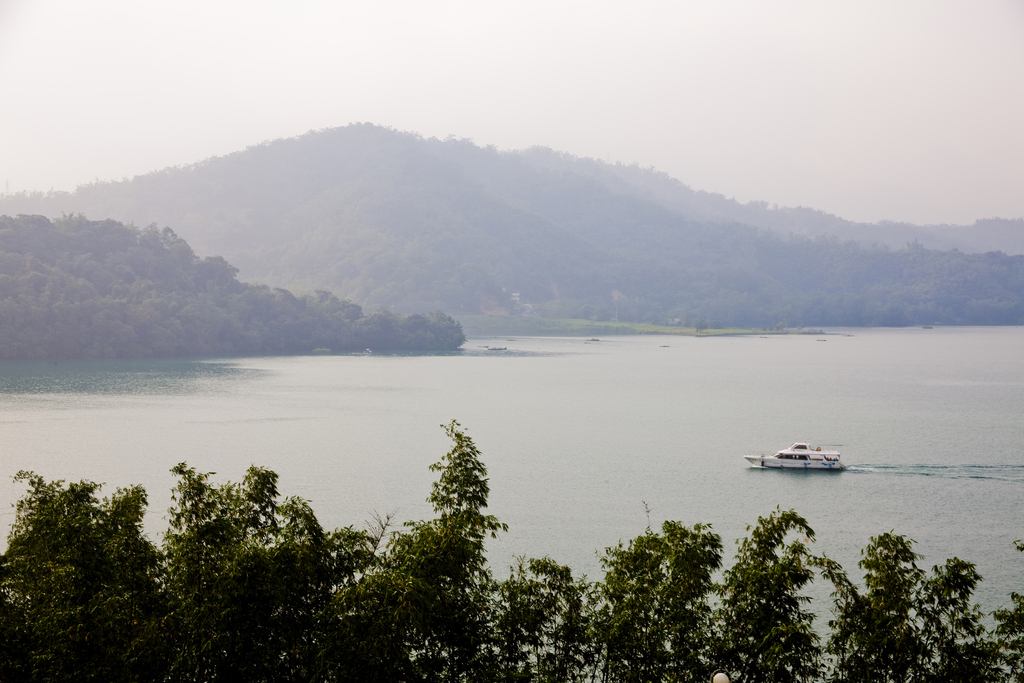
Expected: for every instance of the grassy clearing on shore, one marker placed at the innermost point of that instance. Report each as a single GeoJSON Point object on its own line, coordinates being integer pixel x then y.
{"type": "Point", "coordinates": [573, 327]}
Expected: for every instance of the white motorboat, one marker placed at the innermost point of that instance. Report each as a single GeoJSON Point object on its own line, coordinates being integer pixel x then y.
{"type": "Point", "coordinates": [799, 456]}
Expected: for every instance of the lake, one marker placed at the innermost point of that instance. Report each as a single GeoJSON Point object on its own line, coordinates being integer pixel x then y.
{"type": "Point", "coordinates": [580, 437]}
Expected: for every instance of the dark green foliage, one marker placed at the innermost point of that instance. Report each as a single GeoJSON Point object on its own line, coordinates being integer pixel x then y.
{"type": "Point", "coordinates": [955, 644]}
{"type": "Point", "coordinates": [250, 581]}
{"type": "Point", "coordinates": [81, 587]}
{"type": "Point", "coordinates": [656, 621]}
{"type": "Point", "coordinates": [873, 635]}
{"type": "Point", "coordinates": [1010, 630]}
{"type": "Point", "coordinates": [766, 631]}
{"type": "Point", "coordinates": [908, 626]}
{"type": "Point", "coordinates": [420, 609]}
{"type": "Point", "coordinates": [375, 622]}
{"type": "Point", "coordinates": [447, 555]}
{"type": "Point", "coordinates": [249, 587]}
{"type": "Point", "coordinates": [544, 629]}
{"type": "Point", "coordinates": [95, 289]}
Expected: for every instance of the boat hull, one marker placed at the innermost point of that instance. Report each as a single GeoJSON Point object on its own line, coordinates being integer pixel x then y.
{"type": "Point", "coordinates": [768, 461]}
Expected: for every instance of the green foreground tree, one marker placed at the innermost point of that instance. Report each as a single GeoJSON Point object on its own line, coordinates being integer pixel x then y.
{"type": "Point", "coordinates": [908, 625]}
{"type": "Point", "coordinates": [655, 623]}
{"type": "Point", "coordinates": [251, 580]}
{"type": "Point", "coordinates": [81, 587]}
{"type": "Point", "coordinates": [1010, 630]}
{"type": "Point", "coordinates": [544, 626]}
{"type": "Point", "coordinates": [766, 632]}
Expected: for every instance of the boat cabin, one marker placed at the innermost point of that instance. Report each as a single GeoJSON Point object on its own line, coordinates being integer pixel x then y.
{"type": "Point", "coordinates": [783, 455]}
{"type": "Point", "coordinates": [799, 451]}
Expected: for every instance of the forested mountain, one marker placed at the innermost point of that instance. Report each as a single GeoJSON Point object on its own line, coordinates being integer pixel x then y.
{"type": "Point", "coordinates": [989, 234]}
{"type": "Point", "coordinates": [76, 288]}
{"type": "Point", "coordinates": [390, 219]}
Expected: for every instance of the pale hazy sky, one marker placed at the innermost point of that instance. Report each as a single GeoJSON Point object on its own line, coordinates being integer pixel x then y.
{"type": "Point", "coordinates": [870, 109]}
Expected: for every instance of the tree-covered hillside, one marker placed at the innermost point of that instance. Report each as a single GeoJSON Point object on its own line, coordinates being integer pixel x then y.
{"type": "Point", "coordinates": [389, 219]}
{"type": "Point", "coordinates": [987, 234]}
{"type": "Point", "coordinates": [75, 288]}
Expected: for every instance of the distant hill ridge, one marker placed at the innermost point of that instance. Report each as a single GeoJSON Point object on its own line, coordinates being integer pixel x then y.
{"type": "Point", "coordinates": [986, 234]}
{"type": "Point", "coordinates": [389, 219]}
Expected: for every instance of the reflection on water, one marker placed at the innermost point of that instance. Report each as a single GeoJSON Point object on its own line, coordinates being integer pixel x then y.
{"type": "Point", "coordinates": [141, 377]}
{"type": "Point", "coordinates": [506, 352]}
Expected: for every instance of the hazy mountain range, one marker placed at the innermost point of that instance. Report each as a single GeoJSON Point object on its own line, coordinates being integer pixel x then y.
{"type": "Point", "coordinates": [389, 219]}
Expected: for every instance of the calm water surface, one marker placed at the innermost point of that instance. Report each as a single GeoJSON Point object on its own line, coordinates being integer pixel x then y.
{"type": "Point", "coordinates": [577, 436]}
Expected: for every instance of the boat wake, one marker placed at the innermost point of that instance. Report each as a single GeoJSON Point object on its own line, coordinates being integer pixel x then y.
{"type": "Point", "coordinates": [1013, 473]}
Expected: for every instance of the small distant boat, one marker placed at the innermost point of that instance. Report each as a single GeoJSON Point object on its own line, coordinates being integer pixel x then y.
{"type": "Point", "coordinates": [800, 456]}
{"type": "Point", "coordinates": [497, 348]}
